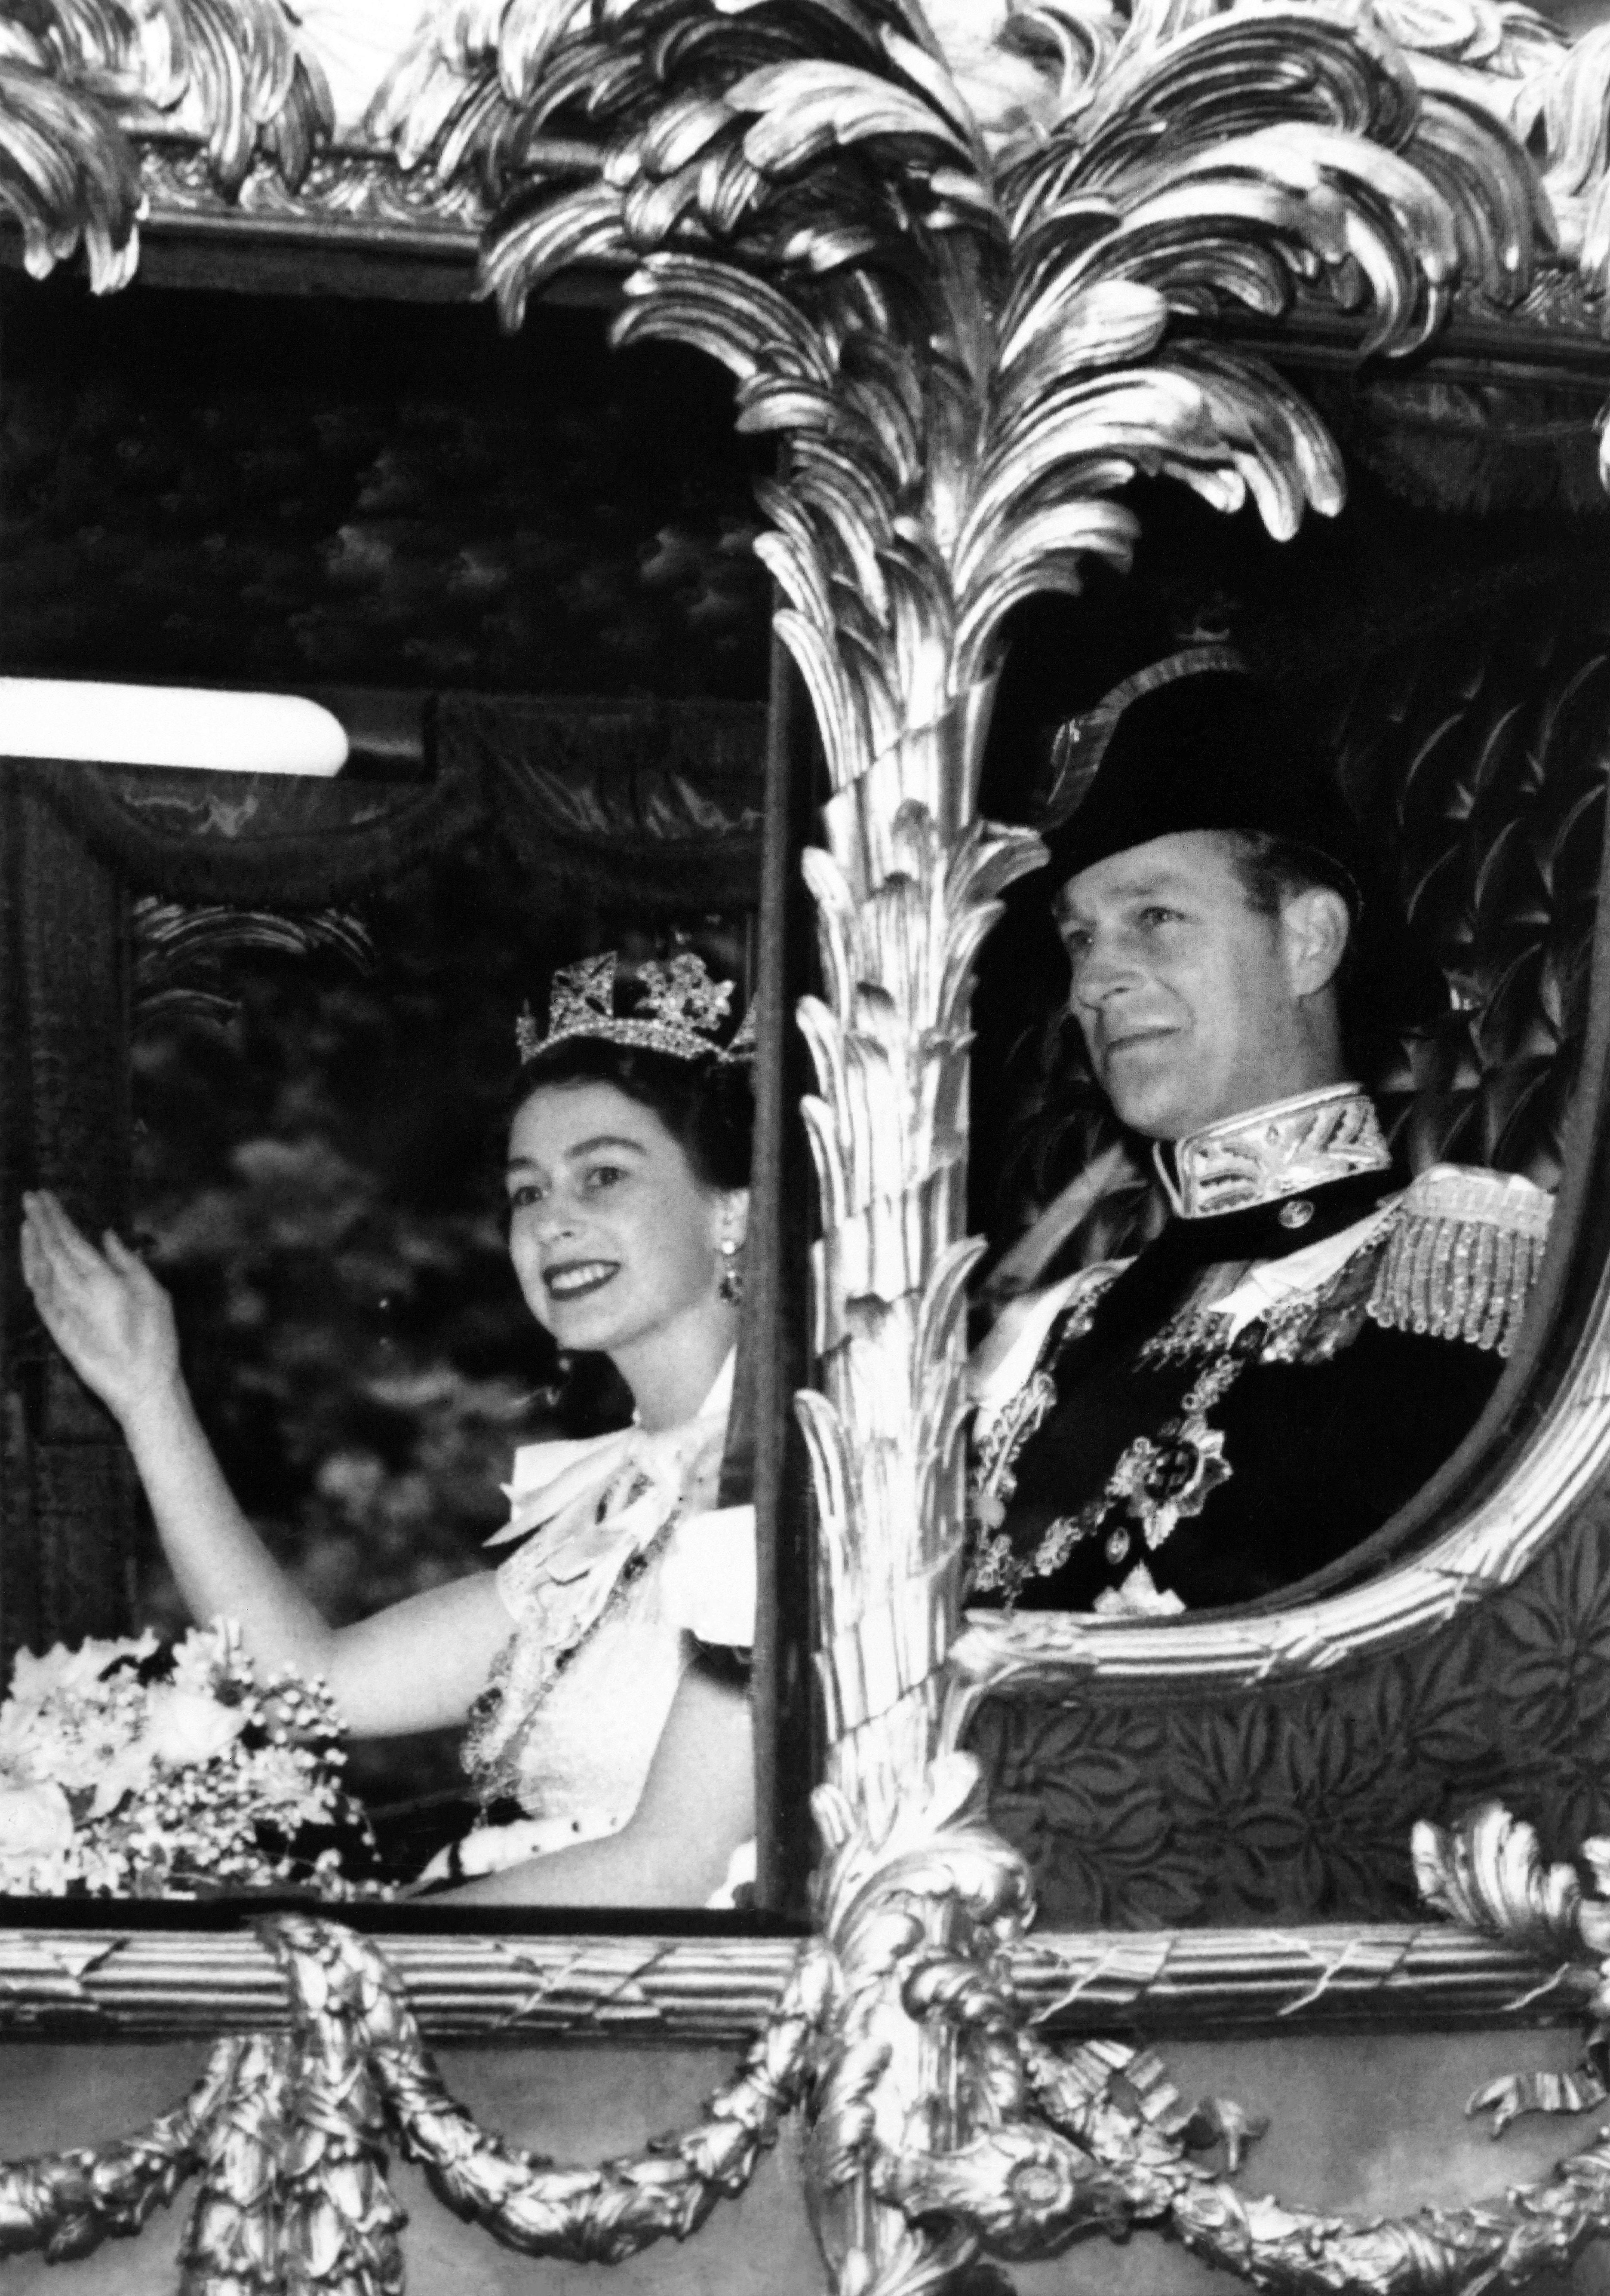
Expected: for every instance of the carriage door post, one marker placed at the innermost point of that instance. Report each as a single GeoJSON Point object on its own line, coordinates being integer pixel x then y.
{"type": "Point", "coordinates": [67, 1492]}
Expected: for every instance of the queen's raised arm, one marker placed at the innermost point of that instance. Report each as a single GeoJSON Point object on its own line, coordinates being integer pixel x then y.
{"type": "Point", "coordinates": [417, 1666]}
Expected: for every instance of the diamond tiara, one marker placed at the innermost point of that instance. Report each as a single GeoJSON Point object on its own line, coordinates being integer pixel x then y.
{"type": "Point", "coordinates": [676, 1008]}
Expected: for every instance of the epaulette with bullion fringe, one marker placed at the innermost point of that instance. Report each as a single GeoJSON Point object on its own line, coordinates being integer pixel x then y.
{"type": "Point", "coordinates": [1462, 1255]}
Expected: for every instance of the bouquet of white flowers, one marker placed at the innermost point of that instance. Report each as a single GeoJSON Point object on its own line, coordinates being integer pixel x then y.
{"type": "Point", "coordinates": [136, 1768]}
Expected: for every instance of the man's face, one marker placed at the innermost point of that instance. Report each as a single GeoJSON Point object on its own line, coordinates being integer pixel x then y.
{"type": "Point", "coordinates": [1190, 1001]}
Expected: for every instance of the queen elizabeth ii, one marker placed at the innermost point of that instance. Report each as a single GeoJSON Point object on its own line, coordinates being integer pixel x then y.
{"type": "Point", "coordinates": [576, 1666]}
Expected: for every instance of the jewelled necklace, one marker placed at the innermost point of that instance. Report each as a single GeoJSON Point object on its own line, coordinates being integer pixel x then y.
{"type": "Point", "coordinates": [1160, 1481]}
{"type": "Point", "coordinates": [494, 1766]}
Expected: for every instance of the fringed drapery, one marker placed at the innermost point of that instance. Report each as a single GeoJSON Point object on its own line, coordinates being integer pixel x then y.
{"type": "Point", "coordinates": [660, 804]}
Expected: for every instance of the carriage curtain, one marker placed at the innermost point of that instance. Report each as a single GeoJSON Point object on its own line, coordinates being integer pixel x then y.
{"type": "Point", "coordinates": [660, 803]}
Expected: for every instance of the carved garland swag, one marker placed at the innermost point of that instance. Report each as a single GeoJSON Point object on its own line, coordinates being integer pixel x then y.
{"type": "Point", "coordinates": [289, 2133]}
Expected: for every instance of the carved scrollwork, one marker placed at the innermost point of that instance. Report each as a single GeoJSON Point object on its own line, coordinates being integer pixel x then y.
{"type": "Point", "coordinates": [1021, 2147]}
{"type": "Point", "coordinates": [67, 2203]}
{"type": "Point", "coordinates": [521, 99]}
{"type": "Point", "coordinates": [598, 2215]}
{"type": "Point", "coordinates": [1489, 1874]}
{"type": "Point", "coordinates": [1056, 2143]}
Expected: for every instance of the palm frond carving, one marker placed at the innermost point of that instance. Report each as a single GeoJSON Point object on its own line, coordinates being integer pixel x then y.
{"type": "Point", "coordinates": [80, 79]}
{"type": "Point", "coordinates": [69, 178]}
{"type": "Point", "coordinates": [972, 327]}
{"type": "Point", "coordinates": [258, 86]}
{"type": "Point", "coordinates": [973, 342]}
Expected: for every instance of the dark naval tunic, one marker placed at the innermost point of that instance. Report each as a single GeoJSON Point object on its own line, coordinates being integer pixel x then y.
{"type": "Point", "coordinates": [1262, 1387]}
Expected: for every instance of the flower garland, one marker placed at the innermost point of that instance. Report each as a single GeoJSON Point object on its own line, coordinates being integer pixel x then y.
{"type": "Point", "coordinates": [139, 1768]}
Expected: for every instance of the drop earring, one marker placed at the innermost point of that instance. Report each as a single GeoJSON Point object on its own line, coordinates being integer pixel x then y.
{"type": "Point", "coordinates": [731, 1287]}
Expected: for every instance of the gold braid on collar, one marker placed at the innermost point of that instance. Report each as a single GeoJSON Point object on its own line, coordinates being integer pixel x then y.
{"type": "Point", "coordinates": [1283, 1149]}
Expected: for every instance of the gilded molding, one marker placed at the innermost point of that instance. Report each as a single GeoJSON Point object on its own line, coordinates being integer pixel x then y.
{"type": "Point", "coordinates": [67, 2203]}
{"type": "Point", "coordinates": [684, 1992]}
{"type": "Point", "coordinates": [344, 192]}
{"type": "Point", "coordinates": [966, 367]}
{"type": "Point", "coordinates": [1030, 2146]}
{"type": "Point", "coordinates": [224, 116]}
{"type": "Point", "coordinates": [964, 375]}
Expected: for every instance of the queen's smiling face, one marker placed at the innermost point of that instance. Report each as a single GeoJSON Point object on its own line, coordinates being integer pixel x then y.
{"type": "Point", "coordinates": [614, 1238]}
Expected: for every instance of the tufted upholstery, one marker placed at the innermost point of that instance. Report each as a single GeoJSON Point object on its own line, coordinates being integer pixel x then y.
{"type": "Point", "coordinates": [1483, 754]}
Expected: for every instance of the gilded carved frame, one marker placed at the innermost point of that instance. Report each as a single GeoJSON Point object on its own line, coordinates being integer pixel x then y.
{"type": "Point", "coordinates": [1070, 266]}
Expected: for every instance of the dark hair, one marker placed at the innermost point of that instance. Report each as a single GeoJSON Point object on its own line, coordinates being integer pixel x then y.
{"type": "Point", "coordinates": [1387, 985]}
{"type": "Point", "coordinates": [1274, 870]}
{"type": "Point", "coordinates": [706, 1106]}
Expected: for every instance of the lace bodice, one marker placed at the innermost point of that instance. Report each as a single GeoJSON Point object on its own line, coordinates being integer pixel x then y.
{"type": "Point", "coordinates": [624, 1564]}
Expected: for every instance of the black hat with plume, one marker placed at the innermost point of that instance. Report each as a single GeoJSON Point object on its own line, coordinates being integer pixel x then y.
{"type": "Point", "coordinates": [1194, 743]}
{"type": "Point", "coordinates": [1197, 742]}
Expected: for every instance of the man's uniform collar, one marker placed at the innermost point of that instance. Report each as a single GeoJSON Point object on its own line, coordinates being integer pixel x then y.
{"type": "Point", "coordinates": [1265, 1155]}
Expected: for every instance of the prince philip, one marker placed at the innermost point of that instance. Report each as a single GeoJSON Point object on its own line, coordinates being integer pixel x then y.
{"type": "Point", "coordinates": [1315, 1329]}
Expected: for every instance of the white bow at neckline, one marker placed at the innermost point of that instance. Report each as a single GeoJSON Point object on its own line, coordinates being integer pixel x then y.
{"type": "Point", "coordinates": [553, 1478]}
{"type": "Point", "coordinates": [594, 1507]}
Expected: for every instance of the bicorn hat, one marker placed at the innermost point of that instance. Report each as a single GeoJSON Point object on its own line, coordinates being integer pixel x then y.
{"type": "Point", "coordinates": [1198, 742]}
{"type": "Point", "coordinates": [1194, 743]}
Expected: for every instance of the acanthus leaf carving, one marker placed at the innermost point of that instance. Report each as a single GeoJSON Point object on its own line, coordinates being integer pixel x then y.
{"type": "Point", "coordinates": [1489, 1874]}
{"type": "Point", "coordinates": [80, 83]}
{"type": "Point", "coordinates": [68, 176]}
